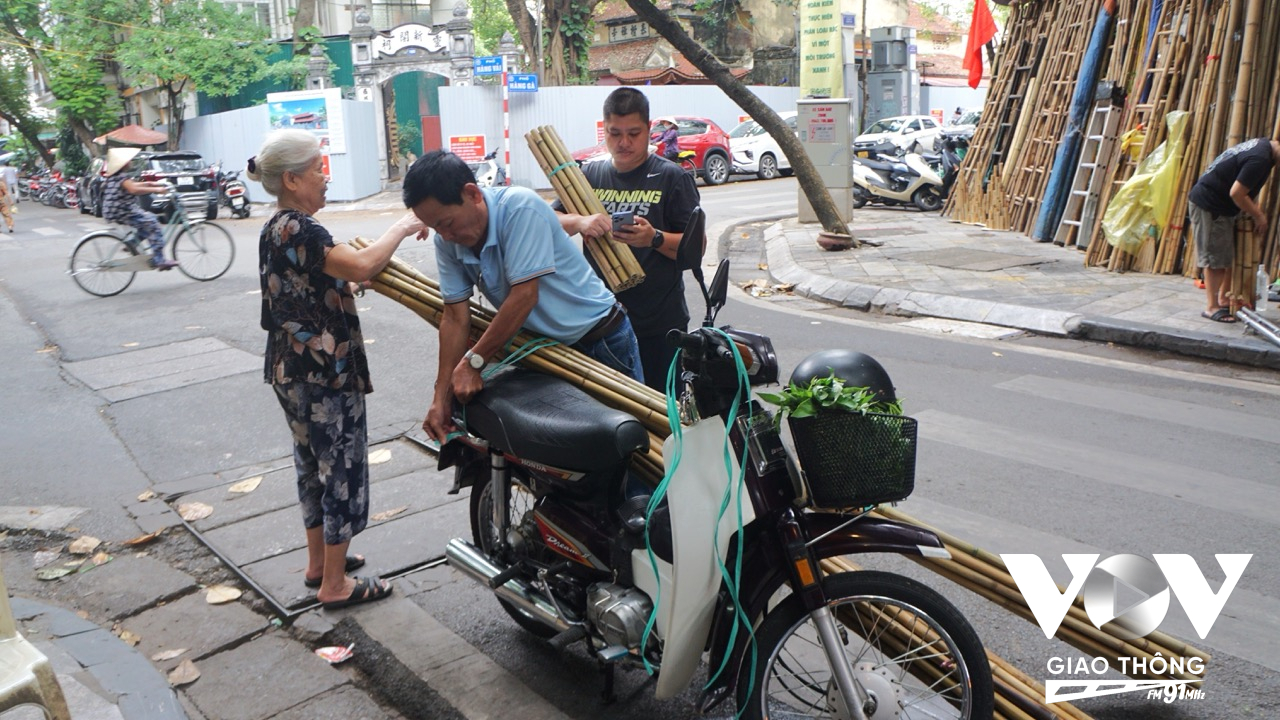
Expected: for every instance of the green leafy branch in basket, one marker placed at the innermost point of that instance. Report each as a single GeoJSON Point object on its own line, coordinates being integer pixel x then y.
{"type": "Point", "coordinates": [827, 394]}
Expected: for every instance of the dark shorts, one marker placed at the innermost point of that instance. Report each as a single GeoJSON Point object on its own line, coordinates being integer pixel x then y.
{"type": "Point", "coordinates": [1215, 237]}
{"type": "Point", "coordinates": [330, 455]}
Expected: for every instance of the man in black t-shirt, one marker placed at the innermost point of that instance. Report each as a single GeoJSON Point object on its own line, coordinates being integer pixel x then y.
{"type": "Point", "coordinates": [1231, 184]}
{"type": "Point", "coordinates": [663, 197]}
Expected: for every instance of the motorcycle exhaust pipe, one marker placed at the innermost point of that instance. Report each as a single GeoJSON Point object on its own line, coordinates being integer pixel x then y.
{"type": "Point", "coordinates": [470, 560]}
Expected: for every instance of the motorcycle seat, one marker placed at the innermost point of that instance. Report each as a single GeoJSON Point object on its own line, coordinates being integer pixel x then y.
{"type": "Point", "coordinates": [878, 165]}
{"type": "Point", "coordinates": [544, 419]}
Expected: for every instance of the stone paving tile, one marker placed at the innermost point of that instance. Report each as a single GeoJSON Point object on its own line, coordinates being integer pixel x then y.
{"type": "Point", "coordinates": [194, 624]}
{"type": "Point", "coordinates": [260, 679]}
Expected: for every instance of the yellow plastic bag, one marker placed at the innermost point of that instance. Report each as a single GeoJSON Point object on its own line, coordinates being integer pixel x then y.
{"type": "Point", "coordinates": [1131, 141]}
{"type": "Point", "coordinates": [1145, 200]}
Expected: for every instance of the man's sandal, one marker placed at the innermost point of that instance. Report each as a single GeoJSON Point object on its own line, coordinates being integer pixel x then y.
{"type": "Point", "coordinates": [1221, 315]}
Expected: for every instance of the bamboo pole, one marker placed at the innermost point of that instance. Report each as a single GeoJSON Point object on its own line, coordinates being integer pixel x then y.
{"type": "Point", "coordinates": [1249, 45]}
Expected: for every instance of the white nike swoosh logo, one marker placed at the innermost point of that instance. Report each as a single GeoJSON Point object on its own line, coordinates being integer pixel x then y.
{"type": "Point", "coordinates": [653, 175]}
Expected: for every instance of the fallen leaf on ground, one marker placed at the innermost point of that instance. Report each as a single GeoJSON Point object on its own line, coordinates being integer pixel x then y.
{"type": "Point", "coordinates": [82, 614]}
{"type": "Point", "coordinates": [247, 485]}
{"type": "Point", "coordinates": [130, 638]}
{"type": "Point", "coordinates": [167, 654]}
{"type": "Point", "coordinates": [74, 563]}
{"type": "Point", "coordinates": [785, 287]}
{"type": "Point", "coordinates": [184, 674]}
{"type": "Point", "coordinates": [379, 456]}
{"type": "Point", "coordinates": [84, 545]}
{"type": "Point", "coordinates": [370, 341]}
{"type": "Point", "coordinates": [143, 539]}
{"type": "Point", "coordinates": [129, 344]}
{"type": "Point", "coordinates": [146, 496]}
{"type": "Point", "coordinates": [762, 266]}
{"type": "Point", "coordinates": [388, 513]}
{"type": "Point", "coordinates": [219, 594]}
{"type": "Point", "coordinates": [194, 511]}
{"type": "Point", "coordinates": [99, 559]}
{"type": "Point", "coordinates": [44, 557]}
{"type": "Point", "coordinates": [51, 573]}
{"type": "Point", "coordinates": [996, 354]}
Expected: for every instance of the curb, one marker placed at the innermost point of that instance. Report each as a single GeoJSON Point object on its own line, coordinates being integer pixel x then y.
{"type": "Point", "coordinates": [898, 301]}
{"type": "Point", "coordinates": [141, 692]}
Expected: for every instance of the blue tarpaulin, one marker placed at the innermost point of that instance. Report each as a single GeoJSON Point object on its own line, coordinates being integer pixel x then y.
{"type": "Point", "coordinates": [1058, 191]}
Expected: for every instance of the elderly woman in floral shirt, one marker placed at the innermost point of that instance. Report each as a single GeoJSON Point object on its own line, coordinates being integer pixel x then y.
{"type": "Point", "coordinates": [315, 357]}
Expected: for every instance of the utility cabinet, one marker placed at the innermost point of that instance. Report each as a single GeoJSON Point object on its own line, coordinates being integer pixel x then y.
{"type": "Point", "coordinates": [825, 127]}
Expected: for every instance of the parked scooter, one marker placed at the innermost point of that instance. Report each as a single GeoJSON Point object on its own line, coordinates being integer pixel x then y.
{"type": "Point", "coordinates": [893, 180]}
{"type": "Point", "coordinates": [489, 172]}
{"type": "Point", "coordinates": [952, 148]}
{"type": "Point", "coordinates": [654, 579]}
{"type": "Point", "coordinates": [232, 192]}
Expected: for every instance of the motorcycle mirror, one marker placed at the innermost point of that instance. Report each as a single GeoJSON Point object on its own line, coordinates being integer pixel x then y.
{"type": "Point", "coordinates": [718, 293]}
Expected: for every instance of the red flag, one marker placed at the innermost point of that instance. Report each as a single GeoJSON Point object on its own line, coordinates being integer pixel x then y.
{"type": "Point", "coordinates": [981, 31]}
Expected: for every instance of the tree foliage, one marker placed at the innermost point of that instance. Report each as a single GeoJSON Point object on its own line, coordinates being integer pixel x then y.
{"type": "Point", "coordinates": [567, 29]}
{"type": "Point", "coordinates": [489, 20]}
{"type": "Point", "coordinates": [188, 44]}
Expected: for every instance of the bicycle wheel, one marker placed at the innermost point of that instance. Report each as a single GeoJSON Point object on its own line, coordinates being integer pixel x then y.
{"type": "Point", "coordinates": [96, 264]}
{"type": "Point", "coordinates": [204, 251]}
{"type": "Point", "coordinates": [913, 652]}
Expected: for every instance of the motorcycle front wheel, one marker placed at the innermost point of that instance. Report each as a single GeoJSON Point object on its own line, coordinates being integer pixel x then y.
{"type": "Point", "coordinates": [913, 652]}
{"type": "Point", "coordinates": [928, 198]}
{"type": "Point", "coordinates": [485, 535]}
{"type": "Point", "coordinates": [860, 197]}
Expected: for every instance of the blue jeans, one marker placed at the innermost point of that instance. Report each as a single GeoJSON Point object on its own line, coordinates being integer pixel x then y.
{"type": "Point", "coordinates": [619, 350]}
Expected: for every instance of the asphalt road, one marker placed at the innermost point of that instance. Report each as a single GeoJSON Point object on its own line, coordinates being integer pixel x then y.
{"type": "Point", "coordinates": [1028, 445]}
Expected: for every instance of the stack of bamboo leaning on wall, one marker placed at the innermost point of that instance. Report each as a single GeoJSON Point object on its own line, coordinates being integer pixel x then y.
{"type": "Point", "coordinates": [1215, 59]}
{"type": "Point", "coordinates": [1018, 696]}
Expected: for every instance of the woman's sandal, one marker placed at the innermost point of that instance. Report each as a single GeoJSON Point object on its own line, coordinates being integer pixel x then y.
{"type": "Point", "coordinates": [354, 562]}
{"type": "Point", "coordinates": [366, 590]}
{"type": "Point", "coordinates": [1221, 315]}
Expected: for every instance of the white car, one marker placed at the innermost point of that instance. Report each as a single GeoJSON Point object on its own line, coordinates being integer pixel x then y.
{"type": "Point", "coordinates": [755, 152]}
{"type": "Point", "coordinates": [908, 133]}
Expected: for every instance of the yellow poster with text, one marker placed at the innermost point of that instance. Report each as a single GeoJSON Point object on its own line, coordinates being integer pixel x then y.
{"type": "Point", "coordinates": [821, 57]}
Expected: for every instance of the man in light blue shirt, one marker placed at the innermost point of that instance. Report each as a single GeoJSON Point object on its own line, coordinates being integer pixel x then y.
{"type": "Point", "coordinates": [508, 242]}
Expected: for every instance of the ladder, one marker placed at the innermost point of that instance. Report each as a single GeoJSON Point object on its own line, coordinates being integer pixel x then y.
{"type": "Point", "coordinates": [1090, 177]}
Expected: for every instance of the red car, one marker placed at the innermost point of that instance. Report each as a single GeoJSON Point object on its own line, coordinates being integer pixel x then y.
{"type": "Point", "coordinates": [709, 143]}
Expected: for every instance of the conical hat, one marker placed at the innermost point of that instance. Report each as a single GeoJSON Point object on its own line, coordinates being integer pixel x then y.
{"type": "Point", "coordinates": [118, 158]}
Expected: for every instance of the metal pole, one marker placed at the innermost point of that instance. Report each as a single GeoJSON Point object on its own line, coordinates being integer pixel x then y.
{"type": "Point", "coordinates": [506, 127]}
{"type": "Point", "coordinates": [1260, 325]}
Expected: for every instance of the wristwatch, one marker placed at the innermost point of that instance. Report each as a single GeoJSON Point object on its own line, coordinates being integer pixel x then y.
{"type": "Point", "coordinates": [474, 360]}
{"type": "Point", "coordinates": [658, 239]}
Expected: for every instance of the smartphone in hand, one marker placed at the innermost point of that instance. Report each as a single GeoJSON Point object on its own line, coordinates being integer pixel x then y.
{"type": "Point", "coordinates": [623, 218]}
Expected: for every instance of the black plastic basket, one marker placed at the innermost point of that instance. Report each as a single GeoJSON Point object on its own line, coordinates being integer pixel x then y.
{"type": "Point", "coordinates": [853, 460]}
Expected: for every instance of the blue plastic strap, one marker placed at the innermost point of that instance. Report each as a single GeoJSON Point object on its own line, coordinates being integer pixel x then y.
{"type": "Point", "coordinates": [561, 166]}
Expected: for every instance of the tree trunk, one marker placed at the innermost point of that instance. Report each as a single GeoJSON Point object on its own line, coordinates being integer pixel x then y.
{"type": "Point", "coordinates": [31, 133]}
{"type": "Point", "coordinates": [805, 172]}
{"type": "Point", "coordinates": [527, 29]}
{"type": "Point", "coordinates": [557, 73]}
{"type": "Point", "coordinates": [303, 18]}
{"type": "Point", "coordinates": [176, 112]}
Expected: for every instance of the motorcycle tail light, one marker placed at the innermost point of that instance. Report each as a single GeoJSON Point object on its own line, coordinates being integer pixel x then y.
{"type": "Point", "coordinates": [233, 192]}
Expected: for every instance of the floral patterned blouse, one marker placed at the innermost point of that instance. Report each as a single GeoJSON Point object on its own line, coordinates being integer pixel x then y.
{"type": "Point", "coordinates": [313, 332]}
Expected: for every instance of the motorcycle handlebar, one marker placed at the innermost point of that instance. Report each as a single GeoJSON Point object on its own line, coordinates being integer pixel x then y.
{"type": "Point", "coordinates": [697, 343]}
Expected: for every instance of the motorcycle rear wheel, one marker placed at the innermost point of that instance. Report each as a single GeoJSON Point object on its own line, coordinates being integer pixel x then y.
{"type": "Point", "coordinates": [860, 198]}
{"type": "Point", "coordinates": [939, 671]}
{"type": "Point", "coordinates": [485, 535]}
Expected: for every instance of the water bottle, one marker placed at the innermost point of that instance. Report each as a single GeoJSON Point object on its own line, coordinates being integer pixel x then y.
{"type": "Point", "coordinates": [1261, 289]}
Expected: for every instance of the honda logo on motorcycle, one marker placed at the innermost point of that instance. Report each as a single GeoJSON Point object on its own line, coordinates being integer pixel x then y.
{"type": "Point", "coordinates": [1178, 573]}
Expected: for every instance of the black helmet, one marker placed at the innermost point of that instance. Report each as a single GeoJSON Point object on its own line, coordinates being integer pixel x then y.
{"type": "Point", "coordinates": [855, 368]}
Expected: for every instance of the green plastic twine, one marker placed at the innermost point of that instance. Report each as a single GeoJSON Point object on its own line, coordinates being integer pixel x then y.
{"type": "Point", "coordinates": [561, 166]}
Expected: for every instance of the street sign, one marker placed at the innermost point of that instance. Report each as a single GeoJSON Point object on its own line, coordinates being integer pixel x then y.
{"type": "Point", "coordinates": [521, 82]}
{"type": "Point", "coordinates": [848, 20]}
{"type": "Point", "coordinates": [487, 65]}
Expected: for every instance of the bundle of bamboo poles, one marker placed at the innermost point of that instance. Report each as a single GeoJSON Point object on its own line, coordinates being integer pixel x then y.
{"type": "Point", "coordinates": [1212, 58]}
{"type": "Point", "coordinates": [617, 264]}
{"type": "Point", "coordinates": [979, 571]}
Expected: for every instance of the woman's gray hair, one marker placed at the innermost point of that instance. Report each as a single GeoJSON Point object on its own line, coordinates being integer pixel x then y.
{"type": "Point", "coordinates": [283, 151]}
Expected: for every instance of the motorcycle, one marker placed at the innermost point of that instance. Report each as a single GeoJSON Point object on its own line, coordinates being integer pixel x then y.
{"type": "Point", "coordinates": [906, 180]}
{"type": "Point", "coordinates": [953, 147]}
{"type": "Point", "coordinates": [575, 552]}
{"type": "Point", "coordinates": [489, 172]}
{"type": "Point", "coordinates": [232, 192]}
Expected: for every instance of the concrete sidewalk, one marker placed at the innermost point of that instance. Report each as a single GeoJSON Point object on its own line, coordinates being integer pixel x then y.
{"type": "Point", "coordinates": [922, 264]}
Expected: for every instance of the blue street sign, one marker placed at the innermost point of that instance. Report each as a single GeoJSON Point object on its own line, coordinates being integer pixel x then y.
{"type": "Point", "coordinates": [487, 65]}
{"type": "Point", "coordinates": [522, 83]}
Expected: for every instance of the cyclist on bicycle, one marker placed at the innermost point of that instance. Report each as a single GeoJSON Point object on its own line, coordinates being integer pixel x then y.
{"type": "Point", "coordinates": [120, 204]}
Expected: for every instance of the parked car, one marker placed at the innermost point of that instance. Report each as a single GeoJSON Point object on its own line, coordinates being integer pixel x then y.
{"type": "Point", "coordinates": [709, 143]}
{"type": "Point", "coordinates": [194, 177]}
{"type": "Point", "coordinates": [90, 188]}
{"type": "Point", "coordinates": [908, 133]}
{"type": "Point", "coordinates": [962, 129]}
{"type": "Point", "coordinates": [756, 152]}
